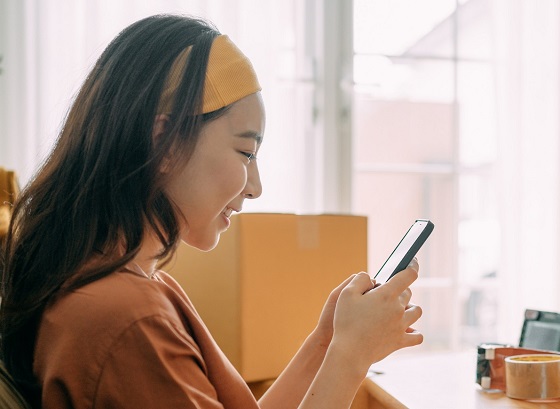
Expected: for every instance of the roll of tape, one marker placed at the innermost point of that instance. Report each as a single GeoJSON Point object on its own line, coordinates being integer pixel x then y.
{"type": "Point", "coordinates": [533, 377]}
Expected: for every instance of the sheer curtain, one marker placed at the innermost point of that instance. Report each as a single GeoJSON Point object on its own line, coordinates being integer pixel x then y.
{"type": "Point", "coordinates": [528, 92]}
{"type": "Point", "coordinates": [48, 46]}
{"type": "Point", "coordinates": [456, 118]}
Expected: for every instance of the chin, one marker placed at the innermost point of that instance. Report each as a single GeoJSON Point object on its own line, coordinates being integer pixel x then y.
{"type": "Point", "coordinates": [203, 243]}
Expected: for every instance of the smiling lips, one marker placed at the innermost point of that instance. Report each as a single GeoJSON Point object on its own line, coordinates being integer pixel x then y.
{"type": "Point", "coordinates": [228, 212]}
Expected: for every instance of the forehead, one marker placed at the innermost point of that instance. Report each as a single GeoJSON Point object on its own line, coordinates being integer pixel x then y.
{"type": "Point", "coordinates": [244, 120]}
{"type": "Point", "coordinates": [248, 116]}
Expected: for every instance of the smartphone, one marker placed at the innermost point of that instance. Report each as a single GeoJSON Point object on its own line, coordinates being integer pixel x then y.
{"type": "Point", "coordinates": [405, 251]}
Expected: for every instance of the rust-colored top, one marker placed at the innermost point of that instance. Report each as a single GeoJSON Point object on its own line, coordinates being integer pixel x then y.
{"type": "Point", "coordinates": [128, 341]}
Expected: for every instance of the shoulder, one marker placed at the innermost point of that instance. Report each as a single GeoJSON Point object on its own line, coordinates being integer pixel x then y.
{"type": "Point", "coordinates": [95, 316]}
{"type": "Point", "coordinates": [108, 329]}
{"type": "Point", "coordinates": [120, 299]}
{"type": "Point", "coordinates": [123, 295]}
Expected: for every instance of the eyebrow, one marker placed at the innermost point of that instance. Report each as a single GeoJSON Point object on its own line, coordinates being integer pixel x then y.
{"type": "Point", "coordinates": [252, 135]}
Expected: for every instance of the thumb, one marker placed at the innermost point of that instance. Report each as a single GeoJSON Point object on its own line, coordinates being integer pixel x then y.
{"type": "Point", "coordinates": [360, 284]}
{"type": "Point", "coordinates": [336, 292]}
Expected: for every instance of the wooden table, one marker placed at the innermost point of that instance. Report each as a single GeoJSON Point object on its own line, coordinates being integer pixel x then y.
{"type": "Point", "coordinates": [442, 380]}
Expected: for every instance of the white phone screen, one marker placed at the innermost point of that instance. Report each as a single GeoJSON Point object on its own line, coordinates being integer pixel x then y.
{"type": "Point", "coordinates": [405, 251]}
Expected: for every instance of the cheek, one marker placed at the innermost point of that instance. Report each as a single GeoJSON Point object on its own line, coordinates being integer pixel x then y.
{"type": "Point", "coordinates": [241, 180]}
{"type": "Point", "coordinates": [231, 176]}
{"type": "Point", "coordinates": [209, 185]}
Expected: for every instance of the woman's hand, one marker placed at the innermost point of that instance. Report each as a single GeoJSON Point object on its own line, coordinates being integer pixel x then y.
{"type": "Point", "coordinates": [361, 323]}
{"type": "Point", "coordinates": [324, 331]}
{"type": "Point", "coordinates": [370, 323]}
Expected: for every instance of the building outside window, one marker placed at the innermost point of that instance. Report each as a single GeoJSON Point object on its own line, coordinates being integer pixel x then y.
{"type": "Point", "coordinates": [437, 87]}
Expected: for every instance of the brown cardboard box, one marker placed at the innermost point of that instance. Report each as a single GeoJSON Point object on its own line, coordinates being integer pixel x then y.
{"type": "Point", "coordinates": [262, 289]}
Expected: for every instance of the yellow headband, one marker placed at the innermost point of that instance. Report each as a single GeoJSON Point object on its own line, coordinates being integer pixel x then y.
{"type": "Point", "coordinates": [229, 77]}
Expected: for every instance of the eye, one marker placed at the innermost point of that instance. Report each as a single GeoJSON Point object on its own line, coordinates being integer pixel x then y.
{"type": "Point", "coordinates": [250, 156]}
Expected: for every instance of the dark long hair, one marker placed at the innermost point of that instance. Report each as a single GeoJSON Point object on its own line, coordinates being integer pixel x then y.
{"type": "Point", "coordinates": [86, 211]}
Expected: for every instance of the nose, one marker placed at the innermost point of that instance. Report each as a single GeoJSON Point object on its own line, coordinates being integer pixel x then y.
{"type": "Point", "coordinates": [253, 188]}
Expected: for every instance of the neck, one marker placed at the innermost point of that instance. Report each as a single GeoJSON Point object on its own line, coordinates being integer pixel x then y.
{"type": "Point", "coordinates": [146, 258]}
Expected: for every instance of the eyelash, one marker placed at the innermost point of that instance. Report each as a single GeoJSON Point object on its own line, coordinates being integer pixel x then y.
{"type": "Point", "coordinates": [250, 156]}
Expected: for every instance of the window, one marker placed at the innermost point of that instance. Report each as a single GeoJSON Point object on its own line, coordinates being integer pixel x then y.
{"type": "Point", "coordinates": [437, 86]}
{"type": "Point", "coordinates": [48, 48]}
{"type": "Point", "coordinates": [446, 109]}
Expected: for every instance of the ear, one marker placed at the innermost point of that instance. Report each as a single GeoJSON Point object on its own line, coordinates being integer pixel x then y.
{"type": "Point", "coordinates": [161, 123]}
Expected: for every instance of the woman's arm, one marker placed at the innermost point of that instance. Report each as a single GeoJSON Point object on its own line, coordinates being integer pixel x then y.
{"type": "Point", "coordinates": [368, 325]}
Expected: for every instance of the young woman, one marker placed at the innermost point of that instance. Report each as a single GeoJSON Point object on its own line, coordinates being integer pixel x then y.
{"type": "Point", "coordinates": [160, 146]}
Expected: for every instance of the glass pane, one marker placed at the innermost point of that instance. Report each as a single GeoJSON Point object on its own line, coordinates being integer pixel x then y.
{"type": "Point", "coordinates": [437, 317]}
{"type": "Point", "coordinates": [425, 145]}
{"type": "Point", "coordinates": [404, 27]}
{"type": "Point", "coordinates": [477, 113]}
{"type": "Point", "coordinates": [479, 228]}
{"type": "Point", "coordinates": [405, 103]}
{"type": "Point", "coordinates": [474, 30]}
{"type": "Point", "coordinates": [479, 309]}
{"type": "Point", "coordinates": [392, 202]}
{"type": "Point", "coordinates": [287, 140]}
{"type": "Point", "coordinates": [393, 78]}
{"type": "Point", "coordinates": [402, 132]}
{"type": "Point", "coordinates": [404, 119]}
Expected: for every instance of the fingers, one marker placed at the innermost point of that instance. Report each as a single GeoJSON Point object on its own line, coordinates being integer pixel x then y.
{"type": "Point", "coordinates": [412, 338]}
{"type": "Point", "coordinates": [361, 283]}
{"type": "Point", "coordinates": [405, 297]}
{"type": "Point", "coordinates": [336, 292]}
{"type": "Point", "coordinates": [411, 315]}
{"type": "Point", "coordinates": [402, 280]}
{"type": "Point", "coordinates": [414, 312]}
{"type": "Point", "coordinates": [376, 320]}
{"type": "Point", "coordinates": [414, 264]}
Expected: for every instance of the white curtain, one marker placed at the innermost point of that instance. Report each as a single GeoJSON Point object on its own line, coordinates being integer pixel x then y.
{"type": "Point", "coordinates": [527, 34]}
{"type": "Point", "coordinates": [48, 46]}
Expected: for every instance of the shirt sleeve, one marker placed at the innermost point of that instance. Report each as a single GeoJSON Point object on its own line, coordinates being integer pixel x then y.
{"type": "Point", "coordinates": [155, 364]}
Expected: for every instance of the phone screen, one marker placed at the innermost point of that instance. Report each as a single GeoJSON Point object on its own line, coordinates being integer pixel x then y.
{"type": "Point", "coordinates": [405, 251]}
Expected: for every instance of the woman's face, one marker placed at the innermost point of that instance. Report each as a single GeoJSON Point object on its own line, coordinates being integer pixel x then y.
{"type": "Point", "coordinates": [221, 173]}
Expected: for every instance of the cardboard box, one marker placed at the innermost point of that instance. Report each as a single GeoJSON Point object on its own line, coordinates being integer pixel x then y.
{"type": "Point", "coordinates": [261, 291]}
